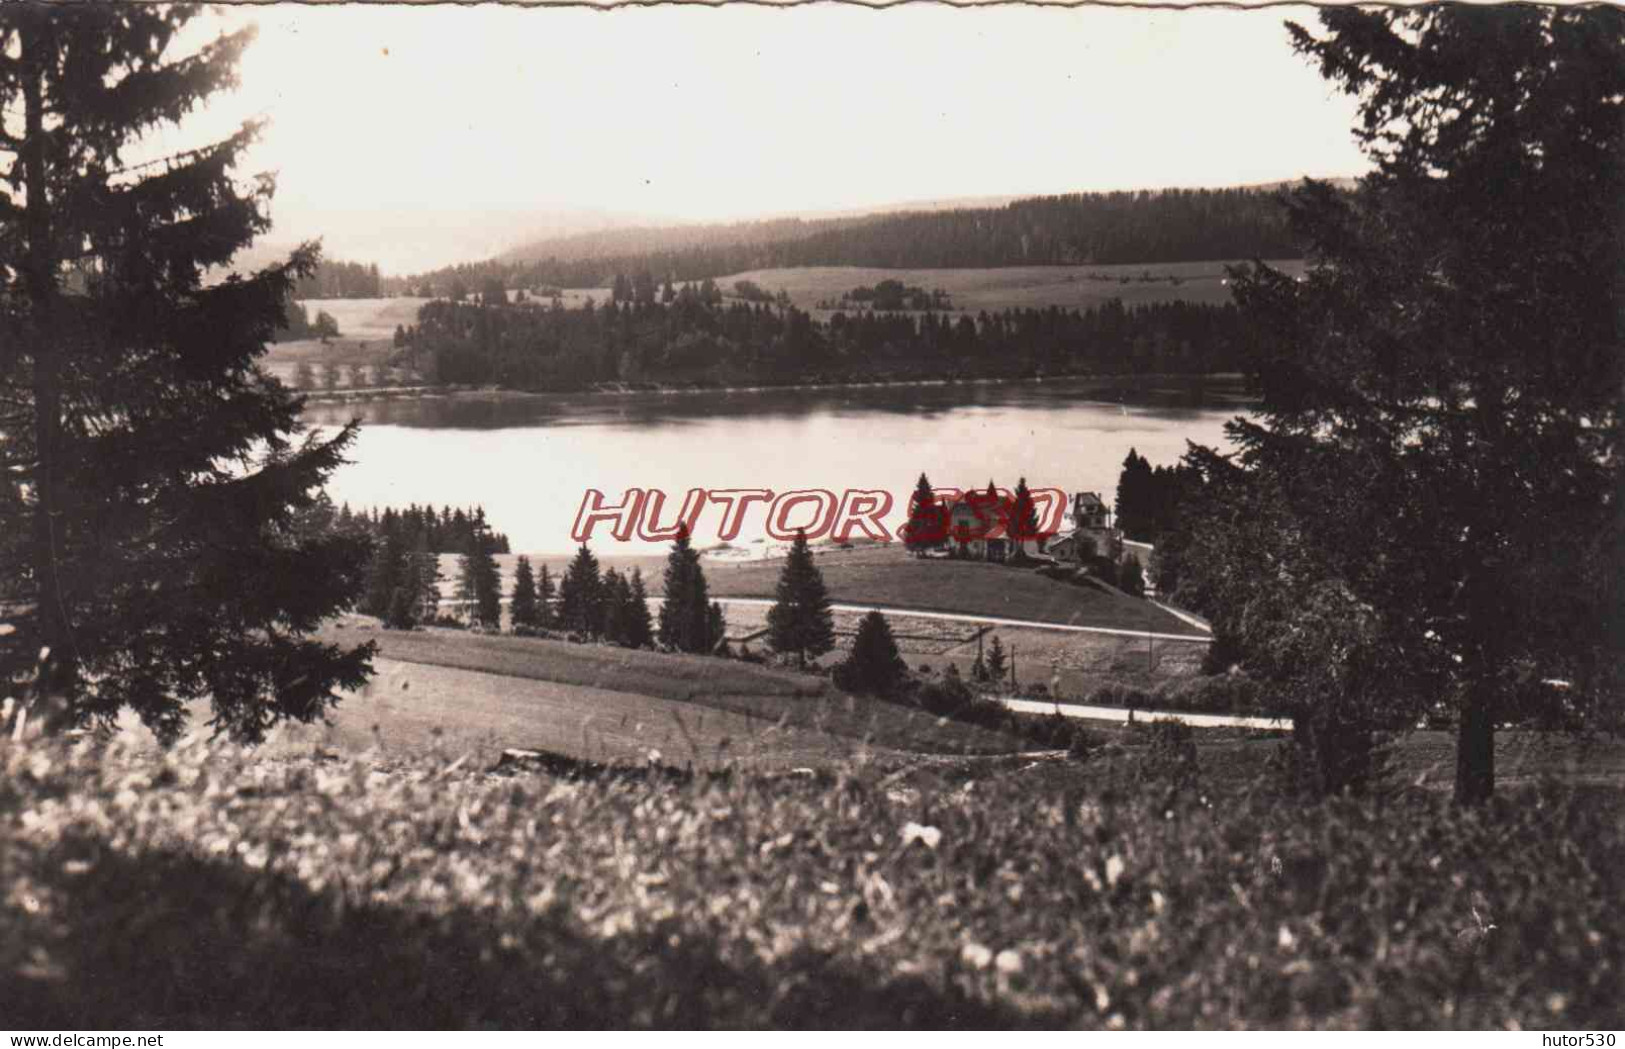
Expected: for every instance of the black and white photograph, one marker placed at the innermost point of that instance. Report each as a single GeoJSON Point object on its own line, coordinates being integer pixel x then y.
{"type": "Point", "coordinates": [917, 516]}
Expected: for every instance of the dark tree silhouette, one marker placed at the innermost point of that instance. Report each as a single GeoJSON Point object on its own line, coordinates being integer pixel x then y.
{"type": "Point", "coordinates": [874, 664]}
{"type": "Point", "coordinates": [997, 664]}
{"type": "Point", "coordinates": [524, 608]}
{"type": "Point", "coordinates": [685, 608]}
{"type": "Point", "coordinates": [927, 526]}
{"type": "Point", "coordinates": [800, 621]}
{"type": "Point", "coordinates": [581, 596]}
{"type": "Point", "coordinates": [153, 472]}
{"type": "Point", "coordinates": [1438, 455]}
{"type": "Point", "coordinates": [639, 626]}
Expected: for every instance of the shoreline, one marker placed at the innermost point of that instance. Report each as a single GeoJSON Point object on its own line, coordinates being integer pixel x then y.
{"type": "Point", "coordinates": [635, 389]}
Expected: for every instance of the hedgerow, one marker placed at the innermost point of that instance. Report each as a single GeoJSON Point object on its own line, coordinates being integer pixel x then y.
{"type": "Point", "coordinates": [208, 887]}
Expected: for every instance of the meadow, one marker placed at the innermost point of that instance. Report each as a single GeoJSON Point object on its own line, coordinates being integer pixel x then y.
{"type": "Point", "coordinates": [482, 694]}
{"type": "Point", "coordinates": [209, 887]}
{"type": "Point", "coordinates": [1012, 287]}
{"type": "Point", "coordinates": [887, 577]}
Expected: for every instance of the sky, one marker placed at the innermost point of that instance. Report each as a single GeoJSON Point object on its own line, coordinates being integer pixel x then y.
{"type": "Point", "coordinates": [419, 136]}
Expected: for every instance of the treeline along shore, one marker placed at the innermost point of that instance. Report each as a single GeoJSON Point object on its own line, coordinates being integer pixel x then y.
{"type": "Point", "coordinates": [693, 339]}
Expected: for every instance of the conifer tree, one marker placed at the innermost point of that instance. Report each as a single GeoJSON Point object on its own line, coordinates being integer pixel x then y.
{"type": "Point", "coordinates": [1023, 519]}
{"type": "Point", "coordinates": [616, 597]}
{"type": "Point", "coordinates": [1438, 437]}
{"type": "Point", "coordinates": [487, 581]}
{"type": "Point", "coordinates": [927, 520]}
{"type": "Point", "coordinates": [685, 605]}
{"type": "Point", "coordinates": [524, 610]}
{"type": "Point", "coordinates": [546, 613]}
{"type": "Point", "coordinates": [639, 626]}
{"type": "Point", "coordinates": [385, 574]}
{"type": "Point", "coordinates": [153, 469]}
{"type": "Point", "coordinates": [425, 571]}
{"type": "Point", "coordinates": [581, 596]}
{"type": "Point", "coordinates": [800, 620]}
{"type": "Point", "coordinates": [874, 664]}
{"type": "Point", "coordinates": [1136, 494]}
{"type": "Point", "coordinates": [465, 586]}
{"type": "Point", "coordinates": [997, 666]}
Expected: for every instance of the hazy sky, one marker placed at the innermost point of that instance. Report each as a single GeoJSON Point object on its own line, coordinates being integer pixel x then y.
{"type": "Point", "coordinates": [417, 136]}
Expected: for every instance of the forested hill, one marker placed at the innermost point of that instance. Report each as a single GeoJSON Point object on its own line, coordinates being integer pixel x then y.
{"type": "Point", "coordinates": [1084, 228]}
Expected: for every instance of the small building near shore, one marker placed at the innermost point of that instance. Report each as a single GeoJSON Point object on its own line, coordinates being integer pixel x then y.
{"type": "Point", "coordinates": [1092, 534]}
{"type": "Point", "coordinates": [966, 522]}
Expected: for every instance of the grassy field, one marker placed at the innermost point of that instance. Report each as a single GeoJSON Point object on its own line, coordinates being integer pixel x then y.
{"type": "Point", "coordinates": [468, 693]}
{"type": "Point", "coordinates": [1070, 664]}
{"type": "Point", "coordinates": [210, 888]}
{"type": "Point", "coordinates": [888, 577]}
{"type": "Point", "coordinates": [414, 710]}
{"type": "Point", "coordinates": [1016, 287]}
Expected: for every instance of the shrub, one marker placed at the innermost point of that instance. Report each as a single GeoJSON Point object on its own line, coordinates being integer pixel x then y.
{"type": "Point", "coordinates": [402, 610]}
{"type": "Point", "coordinates": [1235, 693]}
{"type": "Point", "coordinates": [874, 665]}
{"type": "Point", "coordinates": [1170, 753]}
{"type": "Point", "coordinates": [944, 698]}
{"type": "Point", "coordinates": [1116, 694]}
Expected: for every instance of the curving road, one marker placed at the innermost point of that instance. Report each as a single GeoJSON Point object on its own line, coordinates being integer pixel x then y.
{"type": "Point", "coordinates": [1079, 710]}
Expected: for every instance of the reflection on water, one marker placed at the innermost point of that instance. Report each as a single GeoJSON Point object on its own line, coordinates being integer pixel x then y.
{"type": "Point", "coordinates": [529, 458]}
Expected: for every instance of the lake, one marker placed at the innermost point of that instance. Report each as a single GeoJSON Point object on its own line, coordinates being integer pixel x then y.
{"type": "Point", "coordinates": [529, 458]}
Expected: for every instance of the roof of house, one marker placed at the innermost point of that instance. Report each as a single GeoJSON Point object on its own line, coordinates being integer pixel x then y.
{"type": "Point", "coordinates": [1088, 499]}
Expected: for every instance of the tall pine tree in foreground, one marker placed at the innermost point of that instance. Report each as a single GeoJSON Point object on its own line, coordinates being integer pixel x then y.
{"type": "Point", "coordinates": [153, 470]}
{"type": "Point", "coordinates": [1437, 451]}
{"type": "Point", "coordinates": [800, 621]}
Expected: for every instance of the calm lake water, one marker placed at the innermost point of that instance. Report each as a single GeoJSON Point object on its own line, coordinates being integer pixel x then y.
{"type": "Point", "coordinates": [529, 458]}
